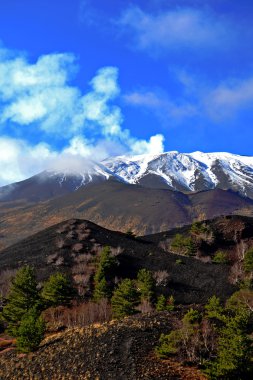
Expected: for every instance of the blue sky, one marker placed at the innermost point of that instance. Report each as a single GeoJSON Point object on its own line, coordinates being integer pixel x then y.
{"type": "Point", "coordinates": [82, 78]}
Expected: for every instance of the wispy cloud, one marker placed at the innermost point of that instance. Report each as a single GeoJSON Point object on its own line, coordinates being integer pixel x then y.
{"type": "Point", "coordinates": [175, 29]}
{"type": "Point", "coordinates": [88, 14]}
{"type": "Point", "coordinates": [229, 98]}
{"type": "Point", "coordinates": [162, 105]}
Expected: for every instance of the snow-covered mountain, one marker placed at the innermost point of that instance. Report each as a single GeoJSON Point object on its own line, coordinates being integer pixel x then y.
{"type": "Point", "coordinates": [186, 172]}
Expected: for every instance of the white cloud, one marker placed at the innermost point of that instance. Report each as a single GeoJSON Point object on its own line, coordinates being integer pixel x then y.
{"type": "Point", "coordinates": [214, 102]}
{"type": "Point", "coordinates": [155, 145]}
{"type": "Point", "coordinates": [229, 98]}
{"type": "Point", "coordinates": [19, 160]}
{"type": "Point", "coordinates": [39, 94]}
{"type": "Point", "coordinates": [174, 29]}
{"type": "Point", "coordinates": [159, 102]}
{"type": "Point", "coordinates": [38, 97]}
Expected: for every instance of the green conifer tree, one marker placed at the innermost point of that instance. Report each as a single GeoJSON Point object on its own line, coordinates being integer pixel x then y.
{"type": "Point", "coordinates": [102, 290]}
{"type": "Point", "coordinates": [30, 332]}
{"type": "Point", "coordinates": [57, 290]}
{"type": "Point", "coordinates": [23, 296]}
{"type": "Point", "coordinates": [125, 299]}
{"type": "Point", "coordinates": [104, 272]}
{"type": "Point", "coordinates": [145, 284]}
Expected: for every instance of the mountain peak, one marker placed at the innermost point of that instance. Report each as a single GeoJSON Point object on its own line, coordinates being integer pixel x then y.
{"type": "Point", "coordinates": [186, 172]}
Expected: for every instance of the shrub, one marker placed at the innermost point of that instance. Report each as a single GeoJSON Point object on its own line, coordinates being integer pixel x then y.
{"type": "Point", "coordinates": [164, 304]}
{"type": "Point", "coordinates": [241, 302]}
{"type": "Point", "coordinates": [131, 234]}
{"type": "Point", "coordinates": [220, 258]}
{"type": "Point", "coordinates": [198, 228]}
{"type": "Point", "coordinates": [192, 316]}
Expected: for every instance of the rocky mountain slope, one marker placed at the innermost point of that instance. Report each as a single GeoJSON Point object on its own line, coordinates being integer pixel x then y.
{"type": "Point", "coordinates": [119, 206]}
{"type": "Point", "coordinates": [52, 183]}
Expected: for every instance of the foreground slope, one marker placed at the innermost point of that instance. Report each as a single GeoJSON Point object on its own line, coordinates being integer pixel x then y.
{"type": "Point", "coordinates": [112, 351]}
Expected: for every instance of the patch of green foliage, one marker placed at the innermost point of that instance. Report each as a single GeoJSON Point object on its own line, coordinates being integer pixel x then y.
{"type": "Point", "coordinates": [171, 343]}
{"type": "Point", "coordinates": [219, 340]}
{"type": "Point", "coordinates": [164, 304]}
{"type": "Point", "coordinates": [234, 351]}
{"type": "Point", "coordinates": [198, 228]}
{"type": "Point", "coordinates": [183, 245]}
{"type": "Point", "coordinates": [220, 258]}
{"type": "Point", "coordinates": [248, 261]}
{"type": "Point", "coordinates": [214, 308]}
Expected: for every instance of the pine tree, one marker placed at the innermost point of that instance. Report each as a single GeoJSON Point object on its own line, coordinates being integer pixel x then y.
{"type": "Point", "coordinates": [145, 284]}
{"type": "Point", "coordinates": [125, 299]}
{"type": "Point", "coordinates": [101, 290]}
{"type": "Point", "coordinates": [30, 332]}
{"type": "Point", "coordinates": [107, 263]}
{"type": "Point", "coordinates": [57, 290]}
{"type": "Point", "coordinates": [106, 266]}
{"type": "Point", "coordinates": [23, 295]}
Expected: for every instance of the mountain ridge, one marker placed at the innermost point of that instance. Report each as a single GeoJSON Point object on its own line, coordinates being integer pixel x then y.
{"type": "Point", "coordinates": [185, 172]}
